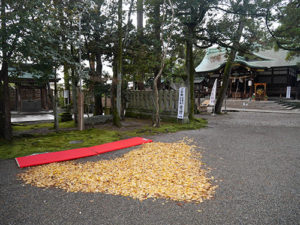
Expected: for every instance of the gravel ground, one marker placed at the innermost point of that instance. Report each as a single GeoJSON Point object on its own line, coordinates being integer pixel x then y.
{"type": "Point", "coordinates": [254, 156]}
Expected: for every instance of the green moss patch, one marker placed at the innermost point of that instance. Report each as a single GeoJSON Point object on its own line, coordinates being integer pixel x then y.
{"type": "Point", "coordinates": [63, 140]}
{"type": "Point", "coordinates": [35, 126]}
{"type": "Point", "coordinates": [169, 127]}
{"type": "Point", "coordinates": [55, 142]}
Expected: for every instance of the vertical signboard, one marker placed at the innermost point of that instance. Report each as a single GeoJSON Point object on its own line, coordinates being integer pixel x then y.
{"type": "Point", "coordinates": [66, 94]}
{"type": "Point", "coordinates": [181, 102]}
{"type": "Point", "coordinates": [288, 92]}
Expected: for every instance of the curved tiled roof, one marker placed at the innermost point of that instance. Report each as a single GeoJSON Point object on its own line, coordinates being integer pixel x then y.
{"type": "Point", "coordinates": [215, 58]}
{"type": "Point", "coordinates": [15, 74]}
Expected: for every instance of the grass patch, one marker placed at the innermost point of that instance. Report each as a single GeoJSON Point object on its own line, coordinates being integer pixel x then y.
{"type": "Point", "coordinates": [38, 143]}
{"type": "Point", "coordinates": [169, 127]}
{"type": "Point", "coordinates": [35, 126]}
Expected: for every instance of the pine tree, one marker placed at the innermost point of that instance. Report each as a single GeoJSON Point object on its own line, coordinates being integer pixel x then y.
{"type": "Point", "coordinates": [287, 34]}
{"type": "Point", "coordinates": [239, 30]}
{"type": "Point", "coordinates": [191, 14]}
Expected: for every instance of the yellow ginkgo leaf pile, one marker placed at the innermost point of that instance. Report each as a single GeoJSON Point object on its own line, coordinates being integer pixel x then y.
{"type": "Point", "coordinates": [155, 170]}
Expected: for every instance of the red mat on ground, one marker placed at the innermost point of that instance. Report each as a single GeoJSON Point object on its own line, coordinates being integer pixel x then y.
{"type": "Point", "coordinates": [44, 158]}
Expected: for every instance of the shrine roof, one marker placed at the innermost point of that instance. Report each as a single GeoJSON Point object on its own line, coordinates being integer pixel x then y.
{"type": "Point", "coordinates": [18, 75]}
{"type": "Point", "coordinates": [215, 58]}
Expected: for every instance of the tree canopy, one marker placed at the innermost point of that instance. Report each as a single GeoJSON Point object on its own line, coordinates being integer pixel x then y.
{"type": "Point", "coordinates": [48, 32]}
{"type": "Point", "coordinates": [286, 15]}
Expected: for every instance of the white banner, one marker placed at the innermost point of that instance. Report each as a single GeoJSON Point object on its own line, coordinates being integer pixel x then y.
{"type": "Point", "coordinates": [212, 100]}
{"type": "Point", "coordinates": [66, 94]}
{"type": "Point", "coordinates": [181, 102]}
{"type": "Point", "coordinates": [288, 92]}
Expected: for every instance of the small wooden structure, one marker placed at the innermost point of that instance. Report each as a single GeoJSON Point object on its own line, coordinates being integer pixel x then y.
{"type": "Point", "coordinates": [260, 94]}
{"type": "Point", "coordinates": [29, 92]}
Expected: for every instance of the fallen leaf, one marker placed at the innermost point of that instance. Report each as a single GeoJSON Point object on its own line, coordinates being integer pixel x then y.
{"type": "Point", "coordinates": [155, 170]}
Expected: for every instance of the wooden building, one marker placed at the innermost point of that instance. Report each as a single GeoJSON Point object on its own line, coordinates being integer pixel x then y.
{"type": "Point", "coordinates": [266, 71]}
{"type": "Point", "coordinates": [29, 92]}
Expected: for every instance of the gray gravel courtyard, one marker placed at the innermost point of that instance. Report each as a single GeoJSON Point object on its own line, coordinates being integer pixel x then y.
{"type": "Point", "coordinates": [255, 157]}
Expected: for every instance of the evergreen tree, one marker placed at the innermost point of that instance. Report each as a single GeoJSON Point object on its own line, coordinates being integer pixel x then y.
{"type": "Point", "coordinates": [192, 14]}
{"type": "Point", "coordinates": [17, 22]}
{"type": "Point", "coordinates": [238, 30]}
{"type": "Point", "coordinates": [287, 34]}
{"type": "Point", "coordinates": [32, 31]}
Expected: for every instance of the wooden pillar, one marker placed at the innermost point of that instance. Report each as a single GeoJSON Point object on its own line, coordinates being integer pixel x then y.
{"type": "Point", "coordinates": [272, 78]}
{"type": "Point", "coordinates": [245, 87]}
{"type": "Point", "coordinates": [19, 102]}
{"type": "Point", "coordinates": [16, 99]}
{"type": "Point", "coordinates": [230, 85]}
{"type": "Point", "coordinates": [41, 97]}
{"type": "Point", "coordinates": [288, 77]}
{"type": "Point", "coordinates": [251, 87]}
{"type": "Point", "coordinates": [44, 98]}
{"type": "Point", "coordinates": [49, 97]}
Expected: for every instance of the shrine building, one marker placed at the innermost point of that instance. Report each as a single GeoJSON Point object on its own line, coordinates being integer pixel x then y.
{"type": "Point", "coordinates": [30, 91]}
{"type": "Point", "coordinates": [266, 72]}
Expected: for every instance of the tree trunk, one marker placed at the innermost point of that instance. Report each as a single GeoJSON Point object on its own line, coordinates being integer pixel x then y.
{"type": "Point", "coordinates": [1, 107]}
{"type": "Point", "coordinates": [156, 122]}
{"type": "Point", "coordinates": [5, 116]}
{"type": "Point", "coordinates": [74, 80]}
{"type": "Point", "coordinates": [228, 66]}
{"type": "Point", "coordinates": [140, 17]}
{"type": "Point", "coordinates": [5, 129]}
{"type": "Point", "coordinates": [140, 24]}
{"type": "Point", "coordinates": [98, 105]}
{"type": "Point", "coordinates": [157, 69]}
{"type": "Point", "coordinates": [116, 118]}
{"type": "Point", "coordinates": [74, 95]}
{"type": "Point", "coordinates": [118, 80]}
{"type": "Point", "coordinates": [156, 119]}
{"type": "Point", "coordinates": [55, 112]}
{"type": "Point", "coordinates": [226, 80]}
{"type": "Point", "coordinates": [80, 92]}
{"type": "Point", "coordinates": [157, 33]}
{"type": "Point", "coordinates": [67, 81]}
{"type": "Point", "coordinates": [97, 84]}
{"type": "Point", "coordinates": [189, 63]}
{"type": "Point", "coordinates": [66, 66]}
{"type": "Point", "coordinates": [80, 109]}
{"type": "Point", "coordinates": [124, 99]}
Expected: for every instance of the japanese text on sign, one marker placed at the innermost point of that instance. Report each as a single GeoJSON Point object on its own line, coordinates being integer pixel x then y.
{"type": "Point", "coordinates": [181, 102]}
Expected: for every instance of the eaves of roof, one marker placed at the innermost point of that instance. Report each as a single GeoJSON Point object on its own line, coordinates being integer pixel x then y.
{"type": "Point", "coordinates": [215, 59]}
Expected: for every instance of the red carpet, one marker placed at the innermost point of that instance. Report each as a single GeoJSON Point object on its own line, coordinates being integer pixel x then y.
{"type": "Point", "coordinates": [44, 158]}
